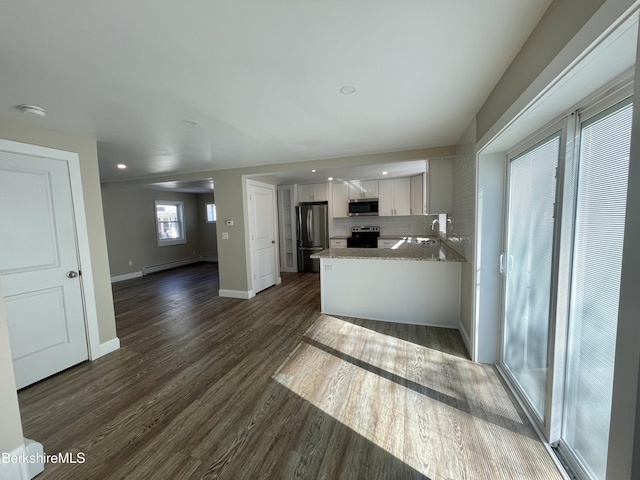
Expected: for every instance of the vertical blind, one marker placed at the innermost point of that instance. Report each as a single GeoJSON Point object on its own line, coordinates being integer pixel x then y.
{"type": "Point", "coordinates": [595, 285]}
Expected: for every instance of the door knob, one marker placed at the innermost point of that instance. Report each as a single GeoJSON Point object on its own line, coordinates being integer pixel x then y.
{"type": "Point", "coordinates": [72, 274]}
{"type": "Point", "coordinates": [273, 241]}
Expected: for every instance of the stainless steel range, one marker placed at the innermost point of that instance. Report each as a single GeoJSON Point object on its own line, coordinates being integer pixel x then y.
{"type": "Point", "coordinates": [363, 237]}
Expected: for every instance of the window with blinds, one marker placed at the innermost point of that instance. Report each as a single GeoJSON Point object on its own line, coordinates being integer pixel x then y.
{"type": "Point", "coordinates": [595, 285]}
{"type": "Point", "coordinates": [170, 222]}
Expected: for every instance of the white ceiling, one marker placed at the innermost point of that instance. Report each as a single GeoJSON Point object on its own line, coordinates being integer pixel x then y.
{"type": "Point", "coordinates": [196, 186]}
{"type": "Point", "coordinates": [261, 78]}
{"type": "Point", "coordinates": [344, 174]}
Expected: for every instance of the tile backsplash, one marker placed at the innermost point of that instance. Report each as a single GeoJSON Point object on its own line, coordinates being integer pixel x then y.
{"type": "Point", "coordinates": [407, 225]}
{"type": "Point", "coordinates": [460, 230]}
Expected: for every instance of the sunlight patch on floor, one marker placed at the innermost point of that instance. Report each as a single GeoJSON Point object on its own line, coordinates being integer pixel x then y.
{"type": "Point", "coordinates": [404, 398]}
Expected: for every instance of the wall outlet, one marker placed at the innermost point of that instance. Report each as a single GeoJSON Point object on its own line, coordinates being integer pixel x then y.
{"type": "Point", "coordinates": [225, 235]}
{"type": "Point", "coordinates": [131, 263]}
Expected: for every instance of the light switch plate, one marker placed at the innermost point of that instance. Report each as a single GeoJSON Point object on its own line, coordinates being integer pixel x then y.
{"type": "Point", "coordinates": [225, 235]}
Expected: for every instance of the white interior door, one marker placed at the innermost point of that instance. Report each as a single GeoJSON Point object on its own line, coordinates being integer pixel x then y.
{"type": "Point", "coordinates": [39, 267]}
{"type": "Point", "coordinates": [262, 235]}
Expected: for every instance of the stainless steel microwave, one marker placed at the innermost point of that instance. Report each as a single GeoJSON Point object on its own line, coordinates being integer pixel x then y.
{"type": "Point", "coordinates": [362, 207]}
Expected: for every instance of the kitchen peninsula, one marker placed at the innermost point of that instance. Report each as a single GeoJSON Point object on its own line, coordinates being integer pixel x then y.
{"type": "Point", "coordinates": [417, 281]}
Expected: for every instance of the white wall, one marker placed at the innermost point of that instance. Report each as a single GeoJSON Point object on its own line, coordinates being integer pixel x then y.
{"type": "Point", "coordinates": [10, 426]}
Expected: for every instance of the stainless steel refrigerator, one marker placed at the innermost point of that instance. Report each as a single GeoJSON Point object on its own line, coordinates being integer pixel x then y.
{"type": "Point", "coordinates": [313, 234]}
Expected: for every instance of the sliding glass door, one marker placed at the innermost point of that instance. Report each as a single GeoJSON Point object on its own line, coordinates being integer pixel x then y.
{"type": "Point", "coordinates": [562, 278]}
{"type": "Point", "coordinates": [595, 286]}
{"type": "Point", "coordinates": [527, 265]}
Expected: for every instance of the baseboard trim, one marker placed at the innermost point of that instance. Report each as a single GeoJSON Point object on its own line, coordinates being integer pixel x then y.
{"type": "Point", "coordinates": [108, 347]}
{"type": "Point", "coordinates": [169, 265]}
{"type": "Point", "coordinates": [18, 470]}
{"type": "Point", "coordinates": [465, 337]}
{"type": "Point", "coordinates": [279, 281]}
{"type": "Point", "coordinates": [126, 276]}
{"type": "Point", "coordinates": [161, 267]}
{"type": "Point", "coordinates": [245, 295]}
{"type": "Point", "coordinates": [36, 451]}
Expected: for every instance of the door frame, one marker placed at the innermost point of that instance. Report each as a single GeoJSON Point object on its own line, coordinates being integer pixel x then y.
{"type": "Point", "coordinates": [87, 286]}
{"type": "Point", "coordinates": [248, 182]}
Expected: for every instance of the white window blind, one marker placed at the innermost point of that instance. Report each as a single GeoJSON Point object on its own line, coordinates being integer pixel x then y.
{"type": "Point", "coordinates": [170, 222]}
{"type": "Point", "coordinates": [211, 213]}
{"type": "Point", "coordinates": [595, 285]}
{"type": "Point", "coordinates": [528, 264]}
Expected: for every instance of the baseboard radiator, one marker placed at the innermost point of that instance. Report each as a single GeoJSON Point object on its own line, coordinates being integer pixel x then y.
{"type": "Point", "coordinates": [177, 263]}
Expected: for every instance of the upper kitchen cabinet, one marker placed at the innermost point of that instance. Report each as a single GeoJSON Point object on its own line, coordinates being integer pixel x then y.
{"type": "Point", "coordinates": [418, 206]}
{"type": "Point", "coordinates": [395, 197]}
{"type": "Point", "coordinates": [363, 189]}
{"type": "Point", "coordinates": [315, 192]}
{"type": "Point", "coordinates": [440, 191]}
{"type": "Point", "coordinates": [339, 200]}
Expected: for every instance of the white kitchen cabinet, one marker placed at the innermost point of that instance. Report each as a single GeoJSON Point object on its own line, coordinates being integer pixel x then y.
{"type": "Point", "coordinates": [417, 195]}
{"type": "Point", "coordinates": [388, 242]}
{"type": "Point", "coordinates": [394, 197]}
{"type": "Point", "coordinates": [287, 228]}
{"type": "Point", "coordinates": [363, 189]}
{"type": "Point", "coordinates": [337, 243]}
{"type": "Point", "coordinates": [339, 200]}
{"type": "Point", "coordinates": [440, 186]}
{"type": "Point", "coordinates": [315, 192]}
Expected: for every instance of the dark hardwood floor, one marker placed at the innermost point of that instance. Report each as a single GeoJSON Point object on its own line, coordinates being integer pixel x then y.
{"type": "Point", "coordinates": [269, 388]}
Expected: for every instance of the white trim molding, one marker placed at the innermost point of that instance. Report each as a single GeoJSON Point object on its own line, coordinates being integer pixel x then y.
{"type": "Point", "coordinates": [109, 346]}
{"type": "Point", "coordinates": [170, 265]}
{"type": "Point", "coordinates": [163, 266]}
{"type": "Point", "coordinates": [35, 450]}
{"type": "Point", "coordinates": [236, 294]}
{"type": "Point", "coordinates": [126, 276]}
{"type": "Point", "coordinates": [14, 470]}
{"type": "Point", "coordinates": [465, 337]}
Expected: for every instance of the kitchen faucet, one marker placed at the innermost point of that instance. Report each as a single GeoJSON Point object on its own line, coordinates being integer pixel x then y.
{"type": "Point", "coordinates": [433, 225]}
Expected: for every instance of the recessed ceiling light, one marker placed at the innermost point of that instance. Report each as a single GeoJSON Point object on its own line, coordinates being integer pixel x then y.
{"type": "Point", "coordinates": [330, 178]}
{"type": "Point", "coordinates": [348, 89]}
{"type": "Point", "coordinates": [121, 166]}
{"type": "Point", "coordinates": [385, 173]}
{"type": "Point", "coordinates": [32, 110]}
{"type": "Point", "coordinates": [313, 171]}
{"type": "Point", "coordinates": [191, 123]}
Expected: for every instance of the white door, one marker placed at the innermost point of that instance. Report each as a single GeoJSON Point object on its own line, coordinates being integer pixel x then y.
{"type": "Point", "coordinates": [262, 235]}
{"type": "Point", "coordinates": [39, 267]}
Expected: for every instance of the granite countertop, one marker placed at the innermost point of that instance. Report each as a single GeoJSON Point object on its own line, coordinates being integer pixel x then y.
{"type": "Point", "coordinates": [409, 249]}
{"type": "Point", "coordinates": [338, 237]}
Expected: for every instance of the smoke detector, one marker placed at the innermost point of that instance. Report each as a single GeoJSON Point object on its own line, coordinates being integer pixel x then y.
{"type": "Point", "coordinates": [33, 110]}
